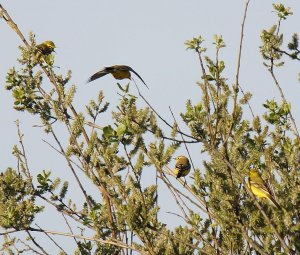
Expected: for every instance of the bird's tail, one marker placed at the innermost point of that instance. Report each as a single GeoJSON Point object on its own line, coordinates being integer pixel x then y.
{"type": "Point", "coordinates": [273, 201]}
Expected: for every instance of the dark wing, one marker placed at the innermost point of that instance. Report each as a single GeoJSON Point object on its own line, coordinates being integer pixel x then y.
{"type": "Point", "coordinates": [98, 75]}
{"type": "Point", "coordinates": [182, 168]}
{"type": "Point", "coordinates": [264, 186]}
{"type": "Point", "coordinates": [179, 173]}
{"type": "Point", "coordinates": [130, 69]}
{"type": "Point", "coordinates": [42, 48]}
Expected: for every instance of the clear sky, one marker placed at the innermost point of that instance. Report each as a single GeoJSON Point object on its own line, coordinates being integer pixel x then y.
{"type": "Point", "coordinates": [149, 36]}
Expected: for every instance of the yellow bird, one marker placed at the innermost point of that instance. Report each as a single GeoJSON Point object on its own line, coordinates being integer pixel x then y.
{"type": "Point", "coordinates": [182, 166]}
{"type": "Point", "coordinates": [259, 188]}
{"type": "Point", "coordinates": [46, 47]}
{"type": "Point", "coordinates": [119, 72]}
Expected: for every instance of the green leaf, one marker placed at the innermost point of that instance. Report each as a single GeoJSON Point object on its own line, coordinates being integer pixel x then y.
{"type": "Point", "coordinates": [120, 87]}
{"type": "Point", "coordinates": [221, 66]}
{"type": "Point", "coordinates": [121, 129]}
{"type": "Point", "coordinates": [127, 88]}
{"type": "Point", "coordinates": [108, 132]}
{"type": "Point", "coordinates": [208, 77]}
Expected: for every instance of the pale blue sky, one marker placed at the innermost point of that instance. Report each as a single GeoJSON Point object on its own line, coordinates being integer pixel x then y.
{"type": "Point", "coordinates": [149, 36]}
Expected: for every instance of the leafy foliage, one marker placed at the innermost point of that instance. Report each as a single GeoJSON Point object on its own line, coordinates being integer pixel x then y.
{"type": "Point", "coordinates": [17, 204]}
{"type": "Point", "coordinates": [124, 159]}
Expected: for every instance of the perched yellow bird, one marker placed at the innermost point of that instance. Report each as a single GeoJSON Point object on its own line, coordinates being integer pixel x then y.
{"type": "Point", "coordinates": [46, 47]}
{"type": "Point", "coordinates": [259, 188]}
{"type": "Point", "coordinates": [119, 72]}
{"type": "Point", "coordinates": [182, 166]}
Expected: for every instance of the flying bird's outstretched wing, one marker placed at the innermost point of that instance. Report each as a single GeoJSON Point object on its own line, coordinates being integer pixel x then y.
{"type": "Point", "coordinates": [138, 76]}
{"type": "Point", "coordinates": [98, 75]}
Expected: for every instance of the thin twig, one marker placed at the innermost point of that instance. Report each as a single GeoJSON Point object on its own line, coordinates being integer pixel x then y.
{"type": "Point", "coordinates": [206, 89]}
{"type": "Point", "coordinates": [28, 248]}
{"type": "Point", "coordinates": [178, 215]}
{"type": "Point", "coordinates": [179, 131]}
{"type": "Point", "coordinates": [187, 187]}
{"type": "Point", "coordinates": [162, 136]}
{"type": "Point", "coordinates": [111, 242]}
{"type": "Point", "coordinates": [286, 53]}
{"type": "Point", "coordinates": [175, 195]}
{"type": "Point", "coordinates": [56, 244]}
{"type": "Point", "coordinates": [20, 135]}
{"type": "Point", "coordinates": [58, 151]}
{"type": "Point", "coordinates": [68, 212]}
{"type": "Point", "coordinates": [285, 101]}
{"type": "Point", "coordinates": [72, 169]}
{"type": "Point", "coordinates": [70, 228]}
{"type": "Point", "coordinates": [237, 85]}
{"type": "Point", "coordinates": [158, 115]}
{"type": "Point", "coordinates": [240, 56]}
{"type": "Point", "coordinates": [35, 243]}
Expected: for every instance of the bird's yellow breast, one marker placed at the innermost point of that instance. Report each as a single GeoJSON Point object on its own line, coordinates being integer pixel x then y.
{"type": "Point", "coordinates": [121, 74]}
{"type": "Point", "coordinates": [259, 192]}
{"type": "Point", "coordinates": [182, 166]}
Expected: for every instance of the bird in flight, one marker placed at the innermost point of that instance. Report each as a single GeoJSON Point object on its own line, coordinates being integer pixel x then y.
{"type": "Point", "coordinates": [119, 72]}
